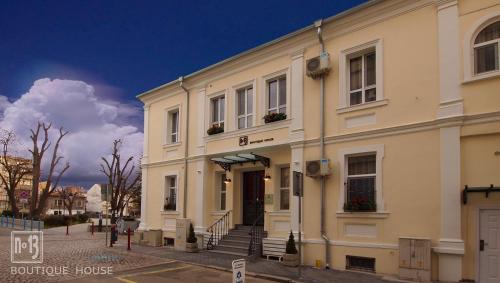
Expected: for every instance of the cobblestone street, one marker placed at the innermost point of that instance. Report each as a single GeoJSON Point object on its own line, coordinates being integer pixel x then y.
{"type": "Point", "coordinates": [79, 252]}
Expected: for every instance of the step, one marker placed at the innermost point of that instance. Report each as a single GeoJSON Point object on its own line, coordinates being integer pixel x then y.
{"type": "Point", "coordinates": [231, 248]}
{"type": "Point", "coordinates": [230, 241]}
{"type": "Point", "coordinates": [238, 237]}
{"type": "Point", "coordinates": [229, 253]}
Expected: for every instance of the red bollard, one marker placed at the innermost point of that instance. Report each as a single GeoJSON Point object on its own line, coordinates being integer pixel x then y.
{"type": "Point", "coordinates": [92, 229]}
{"type": "Point", "coordinates": [128, 232]}
{"type": "Point", "coordinates": [67, 229]}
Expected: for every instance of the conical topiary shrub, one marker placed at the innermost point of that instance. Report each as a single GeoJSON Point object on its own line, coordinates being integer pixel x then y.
{"type": "Point", "coordinates": [290, 245]}
{"type": "Point", "coordinates": [191, 236]}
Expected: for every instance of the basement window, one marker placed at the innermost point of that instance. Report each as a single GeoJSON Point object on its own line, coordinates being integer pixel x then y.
{"type": "Point", "coordinates": [168, 242]}
{"type": "Point", "coordinates": [359, 263]}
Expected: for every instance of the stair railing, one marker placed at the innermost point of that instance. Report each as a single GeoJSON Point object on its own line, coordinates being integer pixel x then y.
{"type": "Point", "coordinates": [218, 230]}
{"type": "Point", "coordinates": [256, 233]}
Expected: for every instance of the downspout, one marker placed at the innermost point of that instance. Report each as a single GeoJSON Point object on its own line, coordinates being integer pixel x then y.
{"type": "Point", "coordinates": [318, 25]}
{"type": "Point", "coordinates": [184, 209]}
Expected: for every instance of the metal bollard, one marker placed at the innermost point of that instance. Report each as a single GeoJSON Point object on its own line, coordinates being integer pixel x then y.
{"type": "Point", "coordinates": [92, 229]}
{"type": "Point", "coordinates": [128, 232]}
{"type": "Point", "coordinates": [13, 221]}
{"type": "Point", "coordinates": [67, 229]}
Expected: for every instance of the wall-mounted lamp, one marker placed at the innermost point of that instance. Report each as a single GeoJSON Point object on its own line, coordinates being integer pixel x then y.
{"type": "Point", "coordinates": [227, 181]}
{"type": "Point", "coordinates": [267, 178]}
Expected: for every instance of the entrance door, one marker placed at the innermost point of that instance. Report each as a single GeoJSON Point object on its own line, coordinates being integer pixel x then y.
{"type": "Point", "coordinates": [253, 197]}
{"type": "Point", "coordinates": [489, 250]}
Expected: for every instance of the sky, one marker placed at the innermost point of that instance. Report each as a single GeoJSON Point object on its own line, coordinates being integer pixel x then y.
{"type": "Point", "coordinates": [80, 64]}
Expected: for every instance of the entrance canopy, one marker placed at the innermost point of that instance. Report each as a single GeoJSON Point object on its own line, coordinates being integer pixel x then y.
{"type": "Point", "coordinates": [240, 158]}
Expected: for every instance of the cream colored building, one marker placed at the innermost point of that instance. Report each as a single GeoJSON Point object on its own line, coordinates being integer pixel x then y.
{"type": "Point", "coordinates": [411, 116]}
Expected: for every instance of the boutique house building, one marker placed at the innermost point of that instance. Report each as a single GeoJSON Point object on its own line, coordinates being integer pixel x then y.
{"type": "Point", "coordinates": [391, 112]}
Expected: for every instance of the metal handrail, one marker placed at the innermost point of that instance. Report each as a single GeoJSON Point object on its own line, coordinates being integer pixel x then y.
{"type": "Point", "coordinates": [256, 233]}
{"type": "Point", "coordinates": [219, 229]}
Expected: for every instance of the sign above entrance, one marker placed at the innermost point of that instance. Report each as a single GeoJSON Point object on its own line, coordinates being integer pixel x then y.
{"type": "Point", "coordinates": [240, 158]}
{"type": "Point", "coordinates": [243, 140]}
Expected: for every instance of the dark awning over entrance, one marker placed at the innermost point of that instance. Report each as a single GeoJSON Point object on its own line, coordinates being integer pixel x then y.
{"type": "Point", "coordinates": [240, 158]}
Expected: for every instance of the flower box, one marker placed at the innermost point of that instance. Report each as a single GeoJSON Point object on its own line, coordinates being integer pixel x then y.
{"type": "Point", "coordinates": [361, 205]}
{"type": "Point", "coordinates": [215, 129]}
{"type": "Point", "coordinates": [273, 117]}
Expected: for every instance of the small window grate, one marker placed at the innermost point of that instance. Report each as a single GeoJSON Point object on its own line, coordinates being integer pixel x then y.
{"type": "Point", "coordinates": [360, 263]}
{"type": "Point", "coordinates": [169, 242]}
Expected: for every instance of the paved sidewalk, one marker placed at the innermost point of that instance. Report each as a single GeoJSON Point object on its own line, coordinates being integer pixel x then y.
{"type": "Point", "coordinates": [258, 266]}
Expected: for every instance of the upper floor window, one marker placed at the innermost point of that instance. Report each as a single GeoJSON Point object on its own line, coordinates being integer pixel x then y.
{"type": "Point", "coordinates": [285, 188]}
{"type": "Point", "coordinates": [486, 49]}
{"type": "Point", "coordinates": [245, 107]}
{"type": "Point", "coordinates": [173, 126]}
{"type": "Point", "coordinates": [276, 93]}
{"type": "Point", "coordinates": [218, 108]}
{"type": "Point", "coordinates": [362, 77]}
{"type": "Point", "coordinates": [170, 202]}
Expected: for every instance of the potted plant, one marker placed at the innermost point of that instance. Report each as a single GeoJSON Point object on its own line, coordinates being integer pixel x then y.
{"type": "Point", "coordinates": [215, 129]}
{"type": "Point", "coordinates": [291, 257]}
{"type": "Point", "coordinates": [273, 117]}
{"type": "Point", "coordinates": [191, 245]}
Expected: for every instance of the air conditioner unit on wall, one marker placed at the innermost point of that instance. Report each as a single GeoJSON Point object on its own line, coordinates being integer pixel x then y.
{"type": "Point", "coordinates": [318, 67]}
{"type": "Point", "coordinates": [317, 168]}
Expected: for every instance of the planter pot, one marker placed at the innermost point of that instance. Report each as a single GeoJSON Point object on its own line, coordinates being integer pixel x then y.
{"type": "Point", "coordinates": [192, 247]}
{"type": "Point", "coordinates": [291, 260]}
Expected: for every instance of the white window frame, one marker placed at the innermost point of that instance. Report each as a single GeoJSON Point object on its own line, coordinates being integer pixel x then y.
{"type": "Point", "coordinates": [343, 154]}
{"type": "Point", "coordinates": [246, 115]}
{"type": "Point", "coordinates": [285, 188]}
{"type": "Point", "coordinates": [469, 48]}
{"type": "Point", "coordinates": [168, 128]}
{"type": "Point", "coordinates": [219, 182]}
{"type": "Point", "coordinates": [278, 105]}
{"type": "Point", "coordinates": [211, 111]}
{"type": "Point", "coordinates": [344, 74]}
{"type": "Point", "coordinates": [166, 186]}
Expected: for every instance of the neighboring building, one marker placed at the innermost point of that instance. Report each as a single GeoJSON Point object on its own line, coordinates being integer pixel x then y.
{"type": "Point", "coordinates": [412, 116]}
{"type": "Point", "coordinates": [96, 201]}
{"type": "Point", "coordinates": [23, 190]}
{"type": "Point", "coordinates": [55, 202]}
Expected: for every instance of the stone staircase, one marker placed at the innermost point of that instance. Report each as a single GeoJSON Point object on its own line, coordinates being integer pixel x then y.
{"type": "Point", "coordinates": [236, 242]}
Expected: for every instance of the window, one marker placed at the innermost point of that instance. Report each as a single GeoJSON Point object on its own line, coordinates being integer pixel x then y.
{"type": "Point", "coordinates": [59, 202]}
{"type": "Point", "coordinates": [362, 78]}
{"type": "Point", "coordinates": [170, 193]}
{"type": "Point", "coordinates": [245, 107]}
{"type": "Point", "coordinates": [285, 188]}
{"type": "Point", "coordinates": [218, 105]}
{"type": "Point", "coordinates": [360, 183]}
{"type": "Point", "coordinates": [486, 46]}
{"type": "Point", "coordinates": [222, 191]}
{"type": "Point", "coordinates": [276, 94]}
{"type": "Point", "coordinates": [360, 263]}
{"type": "Point", "coordinates": [173, 126]}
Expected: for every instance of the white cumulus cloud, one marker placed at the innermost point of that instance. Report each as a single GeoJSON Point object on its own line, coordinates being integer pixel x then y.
{"type": "Point", "coordinates": [93, 124]}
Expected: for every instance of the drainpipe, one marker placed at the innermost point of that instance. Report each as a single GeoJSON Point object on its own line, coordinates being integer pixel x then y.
{"type": "Point", "coordinates": [318, 25]}
{"type": "Point", "coordinates": [184, 209]}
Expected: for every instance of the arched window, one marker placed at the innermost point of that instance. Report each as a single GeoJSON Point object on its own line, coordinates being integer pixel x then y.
{"type": "Point", "coordinates": [486, 49]}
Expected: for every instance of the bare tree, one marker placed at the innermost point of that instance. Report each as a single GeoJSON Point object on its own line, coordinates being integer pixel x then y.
{"type": "Point", "coordinates": [120, 179]}
{"type": "Point", "coordinates": [69, 195]}
{"type": "Point", "coordinates": [13, 169]}
{"type": "Point", "coordinates": [38, 201]}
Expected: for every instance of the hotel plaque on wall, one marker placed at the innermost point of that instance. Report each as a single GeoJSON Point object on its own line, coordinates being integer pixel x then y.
{"type": "Point", "coordinates": [243, 140]}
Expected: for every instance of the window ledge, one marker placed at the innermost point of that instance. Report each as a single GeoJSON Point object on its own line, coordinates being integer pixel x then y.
{"type": "Point", "coordinates": [366, 105]}
{"type": "Point", "coordinates": [481, 77]}
{"type": "Point", "coordinates": [175, 144]}
{"type": "Point", "coordinates": [378, 214]}
{"type": "Point", "coordinates": [254, 129]}
{"type": "Point", "coordinates": [169, 212]}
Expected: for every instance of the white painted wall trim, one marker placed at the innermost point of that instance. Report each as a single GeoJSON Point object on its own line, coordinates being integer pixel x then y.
{"type": "Point", "coordinates": [468, 50]}
{"type": "Point", "coordinates": [343, 70]}
{"type": "Point", "coordinates": [343, 153]}
{"type": "Point", "coordinates": [297, 91]}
